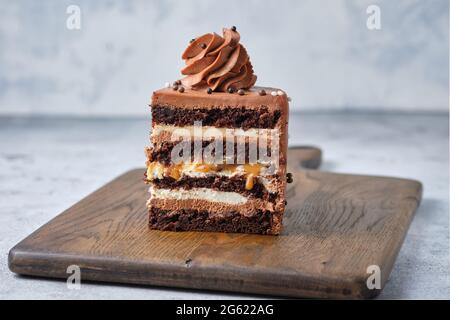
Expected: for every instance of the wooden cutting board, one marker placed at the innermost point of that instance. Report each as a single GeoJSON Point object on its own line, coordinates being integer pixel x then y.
{"type": "Point", "coordinates": [336, 226]}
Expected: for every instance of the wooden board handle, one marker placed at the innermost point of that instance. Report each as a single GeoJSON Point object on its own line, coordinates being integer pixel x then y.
{"type": "Point", "coordinates": [308, 157]}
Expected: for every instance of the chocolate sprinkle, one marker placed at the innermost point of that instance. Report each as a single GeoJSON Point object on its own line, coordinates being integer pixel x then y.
{"type": "Point", "coordinates": [209, 91]}
{"type": "Point", "coordinates": [192, 40]}
{"type": "Point", "coordinates": [289, 178]}
{"type": "Point", "coordinates": [241, 92]}
{"type": "Point", "coordinates": [262, 92]}
{"type": "Point", "coordinates": [233, 28]}
{"type": "Point", "coordinates": [203, 45]}
{"type": "Point", "coordinates": [230, 90]}
{"type": "Point", "coordinates": [181, 90]}
{"type": "Point", "coordinates": [175, 87]}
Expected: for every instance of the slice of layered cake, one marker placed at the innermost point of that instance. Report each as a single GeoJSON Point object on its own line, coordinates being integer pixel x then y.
{"type": "Point", "coordinates": [218, 155]}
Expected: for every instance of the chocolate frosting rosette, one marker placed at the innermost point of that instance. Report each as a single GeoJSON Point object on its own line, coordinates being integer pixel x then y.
{"type": "Point", "coordinates": [219, 63]}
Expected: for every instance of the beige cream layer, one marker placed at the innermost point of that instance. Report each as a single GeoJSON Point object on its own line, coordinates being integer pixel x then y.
{"type": "Point", "coordinates": [163, 133]}
{"type": "Point", "coordinates": [215, 202]}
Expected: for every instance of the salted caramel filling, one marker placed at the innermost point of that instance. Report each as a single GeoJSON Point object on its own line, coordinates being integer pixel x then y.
{"type": "Point", "coordinates": [250, 182]}
{"type": "Point", "coordinates": [157, 170]}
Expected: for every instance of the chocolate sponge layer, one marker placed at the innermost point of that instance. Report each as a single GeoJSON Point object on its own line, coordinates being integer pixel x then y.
{"type": "Point", "coordinates": [229, 117]}
{"type": "Point", "coordinates": [198, 220]}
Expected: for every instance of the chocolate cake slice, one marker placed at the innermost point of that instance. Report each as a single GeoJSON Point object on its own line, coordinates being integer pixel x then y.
{"type": "Point", "coordinates": [218, 155]}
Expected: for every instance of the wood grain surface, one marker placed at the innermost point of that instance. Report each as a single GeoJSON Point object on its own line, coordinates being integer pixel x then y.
{"type": "Point", "coordinates": [335, 227]}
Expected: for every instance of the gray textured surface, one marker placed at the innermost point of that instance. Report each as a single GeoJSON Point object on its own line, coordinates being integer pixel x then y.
{"type": "Point", "coordinates": [46, 165]}
{"type": "Point", "coordinates": [319, 51]}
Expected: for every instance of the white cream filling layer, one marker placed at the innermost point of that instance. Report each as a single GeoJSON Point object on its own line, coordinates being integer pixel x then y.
{"type": "Point", "coordinates": [232, 198]}
{"type": "Point", "coordinates": [205, 130]}
{"type": "Point", "coordinates": [189, 170]}
{"type": "Point", "coordinates": [223, 173]}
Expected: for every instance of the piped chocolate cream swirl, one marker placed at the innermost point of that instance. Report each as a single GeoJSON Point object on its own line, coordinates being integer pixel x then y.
{"type": "Point", "coordinates": [218, 63]}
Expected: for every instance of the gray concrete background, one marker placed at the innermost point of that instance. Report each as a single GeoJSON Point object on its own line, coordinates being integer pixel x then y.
{"type": "Point", "coordinates": [48, 164]}
{"type": "Point", "coordinates": [320, 51]}
{"type": "Point", "coordinates": [376, 102]}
